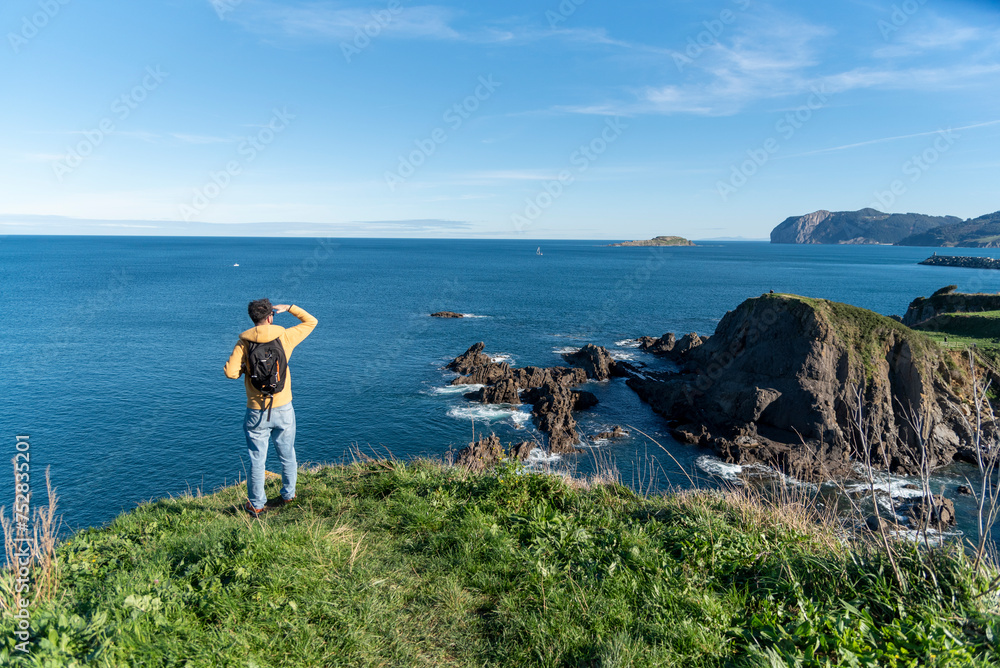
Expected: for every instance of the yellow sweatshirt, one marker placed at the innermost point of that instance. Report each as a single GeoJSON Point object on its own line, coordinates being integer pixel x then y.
{"type": "Point", "coordinates": [262, 334]}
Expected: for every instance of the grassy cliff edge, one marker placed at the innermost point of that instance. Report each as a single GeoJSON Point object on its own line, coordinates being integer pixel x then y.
{"type": "Point", "coordinates": [386, 563]}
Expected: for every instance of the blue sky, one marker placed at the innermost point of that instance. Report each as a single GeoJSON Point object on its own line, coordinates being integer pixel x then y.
{"type": "Point", "coordinates": [547, 119]}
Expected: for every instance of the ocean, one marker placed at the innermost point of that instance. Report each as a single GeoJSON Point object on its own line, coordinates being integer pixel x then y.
{"type": "Point", "coordinates": [112, 347]}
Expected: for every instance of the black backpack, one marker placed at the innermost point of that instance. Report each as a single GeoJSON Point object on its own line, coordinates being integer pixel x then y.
{"type": "Point", "coordinates": [267, 368]}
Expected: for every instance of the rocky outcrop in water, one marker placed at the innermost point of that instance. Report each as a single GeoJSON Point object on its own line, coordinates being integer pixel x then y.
{"type": "Point", "coordinates": [657, 241]}
{"type": "Point", "coordinates": [598, 364]}
{"type": "Point", "coordinates": [447, 314]}
{"type": "Point", "coordinates": [776, 385]}
{"type": "Point", "coordinates": [548, 390]}
{"type": "Point", "coordinates": [669, 346]}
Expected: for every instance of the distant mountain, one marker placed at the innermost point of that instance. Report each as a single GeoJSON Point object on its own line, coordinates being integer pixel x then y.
{"type": "Point", "coordinates": [982, 232]}
{"type": "Point", "coordinates": [867, 226]}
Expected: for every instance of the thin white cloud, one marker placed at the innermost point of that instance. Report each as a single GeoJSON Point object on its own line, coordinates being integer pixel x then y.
{"type": "Point", "coordinates": [883, 140]}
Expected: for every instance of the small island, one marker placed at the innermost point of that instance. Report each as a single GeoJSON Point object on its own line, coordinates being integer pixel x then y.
{"type": "Point", "coordinates": [447, 314]}
{"type": "Point", "coordinates": [657, 241]}
{"type": "Point", "coordinates": [962, 261]}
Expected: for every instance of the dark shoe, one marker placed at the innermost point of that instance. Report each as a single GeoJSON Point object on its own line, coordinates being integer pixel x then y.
{"type": "Point", "coordinates": [253, 511]}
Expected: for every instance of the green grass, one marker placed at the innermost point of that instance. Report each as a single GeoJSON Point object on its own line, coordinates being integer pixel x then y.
{"type": "Point", "coordinates": [392, 564]}
{"type": "Point", "coordinates": [965, 330]}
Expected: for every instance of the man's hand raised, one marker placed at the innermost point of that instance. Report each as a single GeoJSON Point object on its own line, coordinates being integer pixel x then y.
{"type": "Point", "coordinates": [281, 308]}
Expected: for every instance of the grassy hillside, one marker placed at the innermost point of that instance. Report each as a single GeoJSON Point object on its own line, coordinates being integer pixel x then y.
{"type": "Point", "coordinates": [392, 564]}
{"type": "Point", "coordinates": [964, 330]}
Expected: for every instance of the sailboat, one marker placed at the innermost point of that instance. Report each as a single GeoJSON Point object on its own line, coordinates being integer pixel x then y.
{"type": "Point", "coordinates": [538, 251]}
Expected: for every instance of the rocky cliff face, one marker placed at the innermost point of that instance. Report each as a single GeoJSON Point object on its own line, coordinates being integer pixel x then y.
{"type": "Point", "coordinates": [946, 300]}
{"type": "Point", "coordinates": [777, 385]}
{"type": "Point", "coordinates": [866, 226]}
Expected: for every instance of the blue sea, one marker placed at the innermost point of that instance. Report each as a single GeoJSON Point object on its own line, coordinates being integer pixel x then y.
{"type": "Point", "coordinates": [112, 347]}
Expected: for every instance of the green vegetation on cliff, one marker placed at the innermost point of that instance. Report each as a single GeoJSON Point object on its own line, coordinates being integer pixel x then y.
{"type": "Point", "coordinates": [385, 563]}
{"type": "Point", "coordinates": [865, 333]}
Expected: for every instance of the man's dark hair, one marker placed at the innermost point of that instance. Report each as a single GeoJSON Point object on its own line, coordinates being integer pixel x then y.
{"type": "Point", "coordinates": [259, 310]}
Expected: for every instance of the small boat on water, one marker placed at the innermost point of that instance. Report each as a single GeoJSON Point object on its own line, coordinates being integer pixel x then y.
{"type": "Point", "coordinates": [236, 264]}
{"type": "Point", "coordinates": [538, 251]}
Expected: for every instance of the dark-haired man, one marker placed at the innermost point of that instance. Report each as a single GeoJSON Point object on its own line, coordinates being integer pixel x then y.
{"type": "Point", "coordinates": [277, 418]}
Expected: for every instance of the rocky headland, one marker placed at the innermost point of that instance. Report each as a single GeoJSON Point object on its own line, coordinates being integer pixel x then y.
{"type": "Point", "coordinates": [657, 241]}
{"type": "Point", "coordinates": [866, 226]}
{"type": "Point", "coordinates": [778, 384]}
{"type": "Point", "coordinates": [947, 300]}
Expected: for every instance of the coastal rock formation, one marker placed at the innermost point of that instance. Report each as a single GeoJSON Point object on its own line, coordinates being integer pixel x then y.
{"type": "Point", "coordinates": [548, 390]}
{"type": "Point", "coordinates": [946, 300]}
{"type": "Point", "coordinates": [981, 232]}
{"type": "Point", "coordinates": [669, 346]}
{"type": "Point", "coordinates": [470, 359]}
{"type": "Point", "coordinates": [867, 226]}
{"type": "Point", "coordinates": [776, 385]}
{"type": "Point", "coordinates": [657, 241]}
{"type": "Point", "coordinates": [447, 314]}
{"type": "Point", "coordinates": [482, 455]}
{"type": "Point", "coordinates": [965, 262]}
{"type": "Point", "coordinates": [935, 511]}
{"type": "Point", "coordinates": [617, 432]}
{"type": "Point", "coordinates": [597, 363]}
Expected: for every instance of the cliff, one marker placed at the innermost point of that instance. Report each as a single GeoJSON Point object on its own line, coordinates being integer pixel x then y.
{"type": "Point", "coordinates": [776, 385]}
{"type": "Point", "coordinates": [981, 232]}
{"type": "Point", "coordinates": [946, 300]}
{"type": "Point", "coordinates": [867, 226]}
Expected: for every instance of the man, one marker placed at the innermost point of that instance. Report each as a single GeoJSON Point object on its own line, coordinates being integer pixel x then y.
{"type": "Point", "coordinates": [269, 416]}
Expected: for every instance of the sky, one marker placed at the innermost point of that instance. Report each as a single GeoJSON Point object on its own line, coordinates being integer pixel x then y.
{"type": "Point", "coordinates": [578, 119]}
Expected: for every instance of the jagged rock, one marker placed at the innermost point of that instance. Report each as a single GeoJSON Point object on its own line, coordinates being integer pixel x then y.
{"type": "Point", "coordinates": [548, 390]}
{"type": "Point", "coordinates": [489, 373]}
{"type": "Point", "coordinates": [664, 344]}
{"type": "Point", "coordinates": [522, 450]}
{"type": "Point", "coordinates": [688, 342]}
{"type": "Point", "coordinates": [504, 392]}
{"type": "Point", "coordinates": [482, 455]}
{"type": "Point", "coordinates": [946, 300]}
{"type": "Point", "coordinates": [775, 385]}
{"type": "Point", "coordinates": [595, 361]}
{"type": "Point", "coordinates": [936, 510]}
{"type": "Point", "coordinates": [617, 432]}
{"type": "Point", "coordinates": [964, 490]}
{"type": "Point", "coordinates": [470, 359]}
{"type": "Point", "coordinates": [583, 400]}
{"type": "Point", "coordinates": [875, 524]}
{"type": "Point", "coordinates": [447, 314]}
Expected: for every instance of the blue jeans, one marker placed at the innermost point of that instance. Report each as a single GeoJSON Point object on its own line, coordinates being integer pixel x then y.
{"type": "Point", "coordinates": [259, 430]}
